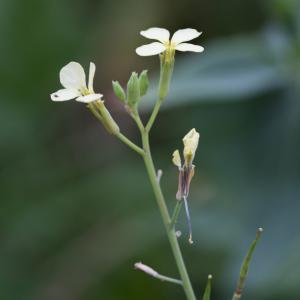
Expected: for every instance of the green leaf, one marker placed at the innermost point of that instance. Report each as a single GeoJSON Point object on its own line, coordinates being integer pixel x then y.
{"type": "Point", "coordinates": [245, 267]}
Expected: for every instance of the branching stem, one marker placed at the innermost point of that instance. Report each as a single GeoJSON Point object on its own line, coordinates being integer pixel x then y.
{"type": "Point", "coordinates": [129, 143]}
{"type": "Point", "coordinates": [188, 289]}
{"type": "Point", "coordinates": [165, 77]}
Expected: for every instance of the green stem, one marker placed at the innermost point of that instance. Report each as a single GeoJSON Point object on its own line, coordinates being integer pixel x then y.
{"type": "Point", "coordinates": [149, 271]}
{"type": "Point", "coordinates": [165, 78]}
{"type": "Point", "coordinates": [176, 213]}
{"type": "Point", "coordinates": [168, 279]}
{"type": "Point", "coordinates": [166, 218]}
{"type": "Point", "coordinates": [129, 143]}
{"type": "Point", "coordinates": [135, 115]}
{"type": "Point", "coordinates": [154, 114]}
{"type": "Point", "coordinates": [119, 135]}
{"type": "Point", "coordinates": [166, 71]}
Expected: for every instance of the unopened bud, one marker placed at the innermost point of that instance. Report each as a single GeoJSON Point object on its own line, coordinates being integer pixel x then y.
{"type": "Point", "coordinates": [144, 82]}
{"type": "Point", "coordinates": [133, 90]}
{"type": "Point", "coordinates": [146, 269]}
{"type": "Point", "coordinates": [119, 91]}
{"type": "Point", "coordinates": [190, 142]}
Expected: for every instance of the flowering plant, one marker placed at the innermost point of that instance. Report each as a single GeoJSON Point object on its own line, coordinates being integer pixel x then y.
{"type": "Point", "coordinates": [73, 79]}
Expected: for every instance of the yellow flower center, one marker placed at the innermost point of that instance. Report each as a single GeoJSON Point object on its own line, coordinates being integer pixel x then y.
{"type": "Point", "coordinates": [170, 51]}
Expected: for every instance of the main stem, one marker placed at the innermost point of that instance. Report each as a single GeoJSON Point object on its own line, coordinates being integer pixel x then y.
{"type": "Point", "coordinates": [188, 289]}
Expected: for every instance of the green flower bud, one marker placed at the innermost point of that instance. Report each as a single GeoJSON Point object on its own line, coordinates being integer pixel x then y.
{"type": "Point", "coordinates": [144, 83]}
{"type": "Point", "coordinates": [133, 90]}
{"type": "Point", "coordinates": [119, 91]}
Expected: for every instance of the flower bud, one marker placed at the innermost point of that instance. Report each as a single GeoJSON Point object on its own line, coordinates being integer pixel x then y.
{"type": "Point", "coordinates": [133, 90]}
{"type": "Point", "coordinates": [119, 91]}
{"type": "Point", "coordinates": [146, 269]}
{"type": "Point", "coordinates": [190, 142]}
{"type": "Point", "coordinates": [144, 83]}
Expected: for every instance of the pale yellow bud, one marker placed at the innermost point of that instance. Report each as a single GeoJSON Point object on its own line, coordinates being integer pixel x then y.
{"type": "Point", "coordinates": [176, 159]}
{"type": "Point", "coordinates": [190, 142]}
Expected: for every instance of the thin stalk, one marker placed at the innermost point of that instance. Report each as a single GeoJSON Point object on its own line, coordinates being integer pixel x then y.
{"type": "Point", "coordinates": [176, 213]}
{"type": "Point", "coordinates": [151, 272]}
{"type": "Point", "coordinates": [166, 70]}
{"type": "Point", "coordinates": [154, 114]}
{"type": "Point", "coordinates": [138, 121]}
{"type": "Point", "coordinates": [188, 289]}
{"type": "Point", "coordinates": [129, 143]}
{"type": "Point", "coordinates": [165, 78]}
{"type": "Point", "coordinates": [169, 279]}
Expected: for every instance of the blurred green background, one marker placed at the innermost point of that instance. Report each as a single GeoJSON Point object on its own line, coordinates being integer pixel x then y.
{"type": "Point", "coordinates": [77, 210]}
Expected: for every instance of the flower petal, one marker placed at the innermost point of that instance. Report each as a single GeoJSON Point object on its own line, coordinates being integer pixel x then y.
{"type": "Point", "coordinates": [72, 76]}
{"type": "Point", "coordinates": [184, 35]}
{"type": "Point", "coordinates": [176, 159]}
{"type": "Point", "coordinates": [156, 33]}
{"type": "Point", "coordinates": [189, 47]}
{"type": "Point", "coordinates": [190, 141]}
{"type": "Point", "coordinates": [91, 77]}
{"type": "Point", "coordinates": [89, 98]}
{"type": "Point", "coordinates": [65, 94]}
{"type": "Point", "coordinates": [150, 49]}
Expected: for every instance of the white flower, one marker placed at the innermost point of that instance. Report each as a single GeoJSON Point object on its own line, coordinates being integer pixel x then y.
{"type": "Point", "coordinates": [163, 36]}
{"type": "Point", "coordinates": [72, 78]}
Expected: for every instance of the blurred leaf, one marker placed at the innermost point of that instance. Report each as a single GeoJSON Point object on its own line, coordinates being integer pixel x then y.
{"type": "Point", "coordinates": [234, 69]}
